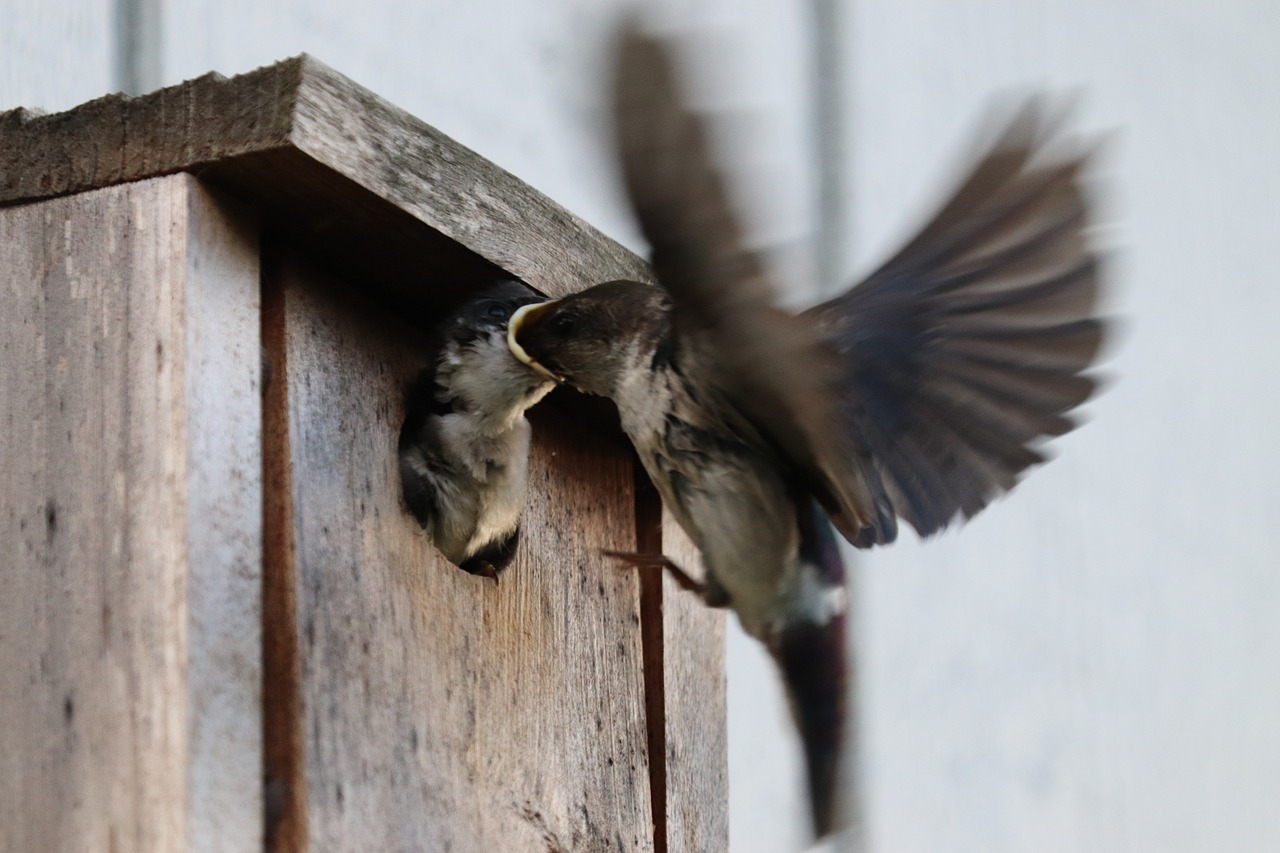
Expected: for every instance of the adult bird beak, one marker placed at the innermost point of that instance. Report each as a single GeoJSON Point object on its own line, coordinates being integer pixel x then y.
{"type": "Point", "coordinates": [812, 660]}
{"type": "Point", "coordinates": [528, 318]}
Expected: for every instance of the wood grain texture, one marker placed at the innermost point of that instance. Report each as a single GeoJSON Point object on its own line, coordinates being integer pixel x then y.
{"type": "Point", "coordinates": [443, 711]}
{"type": "Point", "coordinates": [401, 202]}
{"type": "Point", "coordinates": [129, 485]}
{"type": "Point", "coordinates": [541, 739]}
{"type": "Point", "coordinates": [696, 748]}
{"type": "Point", "coordinates": [284, 768]}
{"type": "Point", "coordinates": [684, 648]}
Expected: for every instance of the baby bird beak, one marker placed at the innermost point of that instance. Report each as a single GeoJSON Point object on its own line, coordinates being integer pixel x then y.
{"type": "Point", "coordinates": [527, 319]}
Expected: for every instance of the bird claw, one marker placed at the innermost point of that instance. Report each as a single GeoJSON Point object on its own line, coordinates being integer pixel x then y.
{"type": "Point", "coordinates": [480, 568]}
{"type": "Point", "coordinates": [661, 561]}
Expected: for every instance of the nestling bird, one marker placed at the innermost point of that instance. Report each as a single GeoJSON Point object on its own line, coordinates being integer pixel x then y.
{"type": "Point", "coordinates": [464, 446]}
{"type": "Point", "coordinates": [915, 395]}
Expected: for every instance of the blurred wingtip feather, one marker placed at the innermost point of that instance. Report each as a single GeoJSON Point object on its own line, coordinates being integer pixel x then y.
{"type": "Point", "coordinates": [947, 365]}
{"type": "Point", "coordinates": [772, 368]}
{"type": "Point", "coordinates": [968, 346]}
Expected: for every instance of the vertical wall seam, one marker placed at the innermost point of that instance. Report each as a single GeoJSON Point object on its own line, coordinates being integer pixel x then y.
{"type": "Point", "coordinates": [828, 111]}
{"type": "Point", "coordinates": [136, 63]}
{"type": "Point", "coordinates": [833, 152]}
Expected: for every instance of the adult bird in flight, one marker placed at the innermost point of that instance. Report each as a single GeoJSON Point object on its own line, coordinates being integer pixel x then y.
{"type": "Point", "coordinates": [919, 394]}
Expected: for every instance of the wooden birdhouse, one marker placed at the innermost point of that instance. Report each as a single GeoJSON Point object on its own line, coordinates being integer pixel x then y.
{"type": "Point", "coordinates": [219, 624]}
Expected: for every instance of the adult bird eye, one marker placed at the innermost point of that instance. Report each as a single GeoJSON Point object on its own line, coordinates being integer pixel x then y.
{"type": "Point", "coordinates": [497, 311]}
{"type": "Point", "coordinates": [562, 324]}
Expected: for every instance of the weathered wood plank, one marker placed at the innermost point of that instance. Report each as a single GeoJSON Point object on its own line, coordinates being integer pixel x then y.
{"type": "Point", "coordinates": [404, 208]}
{"type": "Point", "coordinates": [684, 690]}
{"type": "Point", "coordinates": [442, 711]}
{"type": "Point", "coordinates": [130, 505]}
{"type": "Point", "coordinates": [223, 424]}
{"type": "Point", "coordinates": [697, 746]}
{"type": "Point", "coordinates": [408, 206]}
{"type": "Point", "coordinates": [284, 769]}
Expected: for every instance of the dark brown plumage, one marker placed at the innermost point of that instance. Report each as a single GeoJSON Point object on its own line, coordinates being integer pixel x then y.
{"type": "Point", "coordinates": [921, 393]}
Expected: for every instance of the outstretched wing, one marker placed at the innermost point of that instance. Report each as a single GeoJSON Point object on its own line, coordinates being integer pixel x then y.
{"type": "Point", "coordinates": [767, 364]}
{"type": "Point", "coordinates": [968, 346]}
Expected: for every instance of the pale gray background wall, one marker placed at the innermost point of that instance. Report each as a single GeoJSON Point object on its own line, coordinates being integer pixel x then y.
{"type": "Point", "coordinates": [1092, 664]}
{"type": "Point", "coordinates": [54, 55]}
{"type": "Point", "coordinates": [1095, 664]}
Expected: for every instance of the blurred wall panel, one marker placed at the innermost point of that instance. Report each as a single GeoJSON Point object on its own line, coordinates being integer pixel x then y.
{"type": "Point", "coordinates": [55, 54]}
{"type": "Point", "coordinates": [1091, 664]}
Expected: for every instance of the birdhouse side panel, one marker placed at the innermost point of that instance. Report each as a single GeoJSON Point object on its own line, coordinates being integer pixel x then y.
{"type": "Point", "coordinates": [437, 709]}
{"type": "Point", "coordinates": [130, 497]}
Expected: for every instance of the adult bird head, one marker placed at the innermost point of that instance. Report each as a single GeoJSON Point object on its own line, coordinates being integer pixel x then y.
{"type": "Point", "coordinates": [591, 339]}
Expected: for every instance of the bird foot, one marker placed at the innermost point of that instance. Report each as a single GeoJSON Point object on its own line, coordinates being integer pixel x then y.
{"type": "Point", "coordinates": [480, 568]}
{"type": "Point", "coordinates": [661, 561]}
